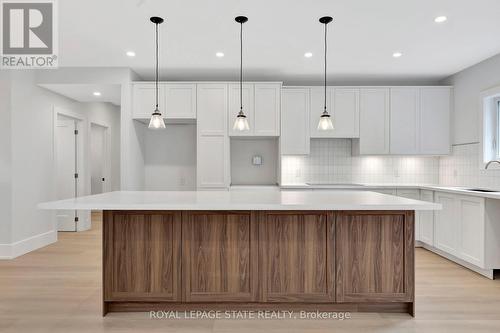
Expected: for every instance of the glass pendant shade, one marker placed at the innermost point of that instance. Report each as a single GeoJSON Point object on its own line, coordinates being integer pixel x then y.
{"type": "Point", "coordinates": [156, 121]}
{"type": "Point", "coordinates": [241, 123]}
{"type": "Point", "coordinates": [325, 123]}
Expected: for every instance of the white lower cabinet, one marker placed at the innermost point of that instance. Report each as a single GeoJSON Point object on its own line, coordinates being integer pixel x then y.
{"type": "Point", "coordinates": [426, 219]}
{"type": "Point", "coordinates": [459, 228]}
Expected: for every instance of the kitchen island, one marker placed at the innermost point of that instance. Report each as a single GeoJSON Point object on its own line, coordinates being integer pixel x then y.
{"type": "Point", "coordinates": [256, 250]}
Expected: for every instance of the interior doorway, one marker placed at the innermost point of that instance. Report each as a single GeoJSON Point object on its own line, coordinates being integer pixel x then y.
{"type": "Point", "coordinates": [69, 149]}
{"type": "Point", "coordinates": [99, 159]}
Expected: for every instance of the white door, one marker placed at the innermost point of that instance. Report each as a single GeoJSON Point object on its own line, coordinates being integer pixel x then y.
{"type": "Point", "coordinates": [97, 159]}
{"type": "Point", "coordinates": [212, 165]}
{"type": "Point", "coordinates": [247, 94]}
{"type": "Point", "coordinates": [471, 242]}
{"type": "Point", "coordinates": [295, 139]}
{"type": "Point", "coordinates": [345, 113]}
{"type": "Point", "coordinates": [404, 120]}
{"type": "Point", "coordinates": [435, 120]}
{"type": "Point", "coordinates": [66, 167]}
{"type": "Point", "coordinates": [427, 219]}
{"type": "Point", "coordinates": [374, 121]}
{"type": "Point", "coordinates": [446, 224]}
{"type": "Point", "coordinates": [267, 107]}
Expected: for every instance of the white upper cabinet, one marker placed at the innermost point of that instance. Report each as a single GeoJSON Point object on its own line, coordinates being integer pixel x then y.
{"type": "Point", "coordinates": [212, 108]}
{"type": "Point", "coordinates": [175, 100]}
{"type": "Point", "coordinates": [247, 94]}
{"type": "Point", "coordinates": [295, 139]}
{"type": "Point", "coordinates": [180, 101]}
{"type": "Point", "coordinates": [267, 105]}
{"type": "Point", "coordinates": [261, 104]}
{"type": "Point", "coordinates": [317, 107]}
{"type": "Point", "coordinates": [343, 106]}
{"type": "Point", "coordinates": [143, 100]}
{"type": "Point", "coordinates": [374, 122]}
{"type": "Point", "coordinates": [435, 120]}
{"type": "Point", "coordinates": [420, 121]}
{"type": "Point", "coordinates": [404, 121]}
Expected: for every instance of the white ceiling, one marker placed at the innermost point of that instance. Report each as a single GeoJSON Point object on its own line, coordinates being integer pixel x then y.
{"type": "Point", "coordinates": [85, 92]}
{"type": "Point", "coordinates": [362, 38]}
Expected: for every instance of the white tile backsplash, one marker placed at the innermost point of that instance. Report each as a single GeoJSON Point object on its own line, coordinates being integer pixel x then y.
{"type": "Point", "coordinates": [462, 168]}
{"type": "Point", "coordinates": [331, 161]}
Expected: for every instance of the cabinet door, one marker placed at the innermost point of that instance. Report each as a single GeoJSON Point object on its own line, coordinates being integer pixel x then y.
{"type": "Point", "coordinates": [267, 109]}
{"type": "Point", "coordinates": [180, 101]}
{"type": "Point", "coordinates": [446, 223]}
{"type": "Point", "coordinates": [143, 100]}
{"type": "Point", "coordinates": [219, 256]}
{"type": "Point", "coordinates": [212, 150]}
{"type": "Point", "coordinates": [404, 120]}
{"type": "Point", "coordinates": [375, 257]}
{"type": "Point", "coordinates": [295, 138]}
{"type": "Point", "coordinates": [471, 244]}
{"type": "Point", "coordinates": [427, 219]}
{"type": "Point", "coordinates": [317, 106]}
{"type": "Point", "coordinates": [346, 113]}
{"type": "Point", "coordinates": [142, 256]}
{"type": "Point", "coordinates": [212, 108]}
{"type": "Point", "coordinates": [412, 194]}
{"type": "Point", "coordinates": [248, 108]}
{"type": "Point", "coordinates": [435, 120]}
{"type": "Point", "coordinates": [296, 257]}
{"type": "Point", "coordinates": [212, 166]}
{"type": "Point", "coordinates": [374, 121]}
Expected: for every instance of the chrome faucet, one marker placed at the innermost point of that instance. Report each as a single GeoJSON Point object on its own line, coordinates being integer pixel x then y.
{"type": "Point", "coordinates": [488, 164]}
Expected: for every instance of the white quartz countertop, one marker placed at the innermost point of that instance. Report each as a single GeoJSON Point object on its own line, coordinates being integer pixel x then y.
{"type": "Point", "coordinates": [251, 199]}
{"type": "Point", "coordinates": [370, 186]}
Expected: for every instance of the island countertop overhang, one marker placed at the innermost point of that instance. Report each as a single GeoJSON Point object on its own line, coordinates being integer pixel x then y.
{"type": "Point", "coordinates": [252, 199]}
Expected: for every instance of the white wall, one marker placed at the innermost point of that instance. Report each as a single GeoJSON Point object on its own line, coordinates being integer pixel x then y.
{"type": "Point", "coordinates": [170, 158]}
{"type": "Point", "coordinates": [32, 156]}
{"type": "Point", "coordinates": [243, 172]}
{"type": "Point", "coordinates": [108, 115]}
{"type": "Point", "coordinates": [5, 158]}
{"type": "Point", "coordinates": [467, 86]}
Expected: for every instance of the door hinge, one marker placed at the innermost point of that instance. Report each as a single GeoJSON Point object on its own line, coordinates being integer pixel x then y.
{"type": "Point", "coordinates": [76, 219]}
{"type": "Point", "coordinates": [76, 175]}
{"type": "Point", "coordinates": [76, 132]}
{"type": "Point", "coordinates": [104, 179]}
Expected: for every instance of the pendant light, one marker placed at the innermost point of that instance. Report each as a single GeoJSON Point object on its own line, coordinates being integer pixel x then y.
{"type": "Point", "coordinates": [325, 121]}
{"type": "Point", "coordinates": [156, 121]}
{"type": "Point", "coordinates": [241, 122]}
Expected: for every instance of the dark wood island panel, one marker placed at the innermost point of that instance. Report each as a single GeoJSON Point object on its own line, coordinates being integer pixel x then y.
{"type": "Point", "coordinates": [293, 260]}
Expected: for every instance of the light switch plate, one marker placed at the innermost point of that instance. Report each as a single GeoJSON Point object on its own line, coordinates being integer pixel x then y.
{"type": "Point", "coordinates": [257, 160]}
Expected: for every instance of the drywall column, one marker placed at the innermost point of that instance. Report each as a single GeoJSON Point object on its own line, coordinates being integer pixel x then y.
{"type": "Point", "coordinates": [5, 165]}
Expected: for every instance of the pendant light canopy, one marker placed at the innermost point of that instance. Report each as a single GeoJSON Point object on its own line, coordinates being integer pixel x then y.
{"type": "Point", "coordinates": [157, 121]}
{"type": "Point", "coordinates": [325, 121]}
{"type": "Point", "coordinates": [241, 122]}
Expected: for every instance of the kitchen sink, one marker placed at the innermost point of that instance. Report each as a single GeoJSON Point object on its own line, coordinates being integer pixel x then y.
{"type": "Point", "coordinates": [480, 190]}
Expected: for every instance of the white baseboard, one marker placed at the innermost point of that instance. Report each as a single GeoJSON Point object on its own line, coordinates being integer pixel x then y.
{"type": "Point", "coordinates": [14, 250]}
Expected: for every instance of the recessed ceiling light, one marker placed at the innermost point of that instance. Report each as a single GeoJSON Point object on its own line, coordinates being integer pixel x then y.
{"type": "Point", "coordinates": [97, 93]}
{"type": "Point", "coordinates": [397, 54]}
{"type": "Point", "coordinates": [308, 54]}
{"type": "Point", "coordinates": [219, 54]}
{"type": "Point", "coordinates": [440, 19]}
{"type": "Point", "coordinates": [130, 53]}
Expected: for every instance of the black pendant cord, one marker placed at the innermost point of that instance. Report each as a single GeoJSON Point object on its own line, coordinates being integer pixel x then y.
{"type": "Point", "coordinates": [156, 71]}
{"type": "Point", "coordinates": [325, 65]}
{"type": "Point", "coordinates": [241, 67]}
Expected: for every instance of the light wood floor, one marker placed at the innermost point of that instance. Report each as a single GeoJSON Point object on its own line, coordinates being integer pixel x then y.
{"type": "Point", "coordinates": [57, 289]}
